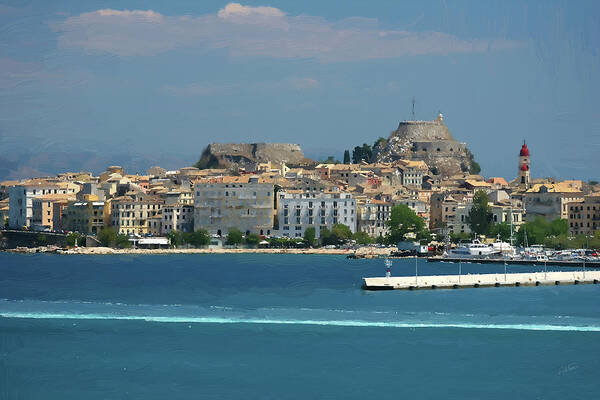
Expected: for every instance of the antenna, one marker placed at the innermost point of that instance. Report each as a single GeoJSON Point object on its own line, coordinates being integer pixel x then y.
{"type": "Point", "coordinates": [413, 109]}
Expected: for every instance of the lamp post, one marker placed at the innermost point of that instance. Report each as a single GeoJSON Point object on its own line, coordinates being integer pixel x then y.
{"type": "Point", "coordinates": [416, 268]}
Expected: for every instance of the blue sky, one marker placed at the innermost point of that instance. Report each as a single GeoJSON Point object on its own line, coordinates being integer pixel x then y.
{"type": "Point", "coordinates": [149, 78]}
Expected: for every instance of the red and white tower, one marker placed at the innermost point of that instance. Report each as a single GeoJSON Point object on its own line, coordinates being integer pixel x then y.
{"type": "Point", "coordinates": [524, 174]}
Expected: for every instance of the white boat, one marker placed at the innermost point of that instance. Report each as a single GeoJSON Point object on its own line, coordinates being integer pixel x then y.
{"type": "Point", "coordinates": [474, 249]}
{"type": "Point", "coordinates": [503, 248]}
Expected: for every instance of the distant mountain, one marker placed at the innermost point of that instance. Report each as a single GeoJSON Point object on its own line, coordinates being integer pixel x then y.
{"type": "Point", "coordinates": [19, 166]}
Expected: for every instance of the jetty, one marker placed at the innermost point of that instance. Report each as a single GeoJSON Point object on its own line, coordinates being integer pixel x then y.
{"type": "Point", "coordinates": [561, 263]}
{"type": "Point", "coordinates": [481, 280]}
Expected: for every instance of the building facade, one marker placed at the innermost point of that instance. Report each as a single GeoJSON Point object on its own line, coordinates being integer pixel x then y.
{"type": "Point", "coordinates": [584, 216]}
{"type": "Point", "coordinates": [372, 217]}
{"type": "Point", "coordinates": [242, 202]}
{"type": "Point", "coordinates": [297, 211]}
{"type": "Point", "coordinates": [130, 214]}
{"type": "Point", "coordinates": [177, 217]}
{"type": "Point", "coordinates": [88, 217]}
{"type": "Point", "coordinates": [21, 200]}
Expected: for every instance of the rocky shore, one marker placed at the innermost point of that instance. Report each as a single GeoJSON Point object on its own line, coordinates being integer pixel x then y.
{"type": "Point", "coordinates": [362, 252]}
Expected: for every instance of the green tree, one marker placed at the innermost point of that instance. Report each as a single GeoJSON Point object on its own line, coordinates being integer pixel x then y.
{"type": "Point", "coordinates": [362, 238]}
{"type": "Point", "coordinates": [122, 241]}
{"type": "Point", "coordinates": [559, 227]}
{"type": "Point", "coordinates": [474, 169]}
{"type": "Point", "coordinates": [327, 238]}
{"type": "Point", "coordinates": [553, 233]}
{"type": "Point", "coordinates": [309, 236]}
{"type": "Point", "coordinates": [198, 238]}
{"type": "Point", "coordinates": [341, 231]}
{"type": "Point", "coordinates": [346, 157]}
{"type": "Point", "coordinates": [502, 229]}
{"type": "Point", "coordinates": [330, 160]}
{"type": "Point", "coordinates": [402, 221]}
{"type": "Point", "coordinates": [176, 238]}
{"type": "Point", "coordinates": [480, 217]}
{"type": "Point", "coordinates": [234, 237]}
{"type": "Point", "coordinates": [361, 153]}
{"type": "Point", "coordinates": [380, 143]}
{"type": "Point", "coordinates": [74, 239]}
{"type": "Point", "coordinates": [107, 237]}
{"type": "Point", "coordinates": [252, 239]}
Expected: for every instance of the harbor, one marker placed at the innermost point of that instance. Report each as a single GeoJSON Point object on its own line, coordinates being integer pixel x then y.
{"type": "Point", "coordinates": [521, 261]}
{"type": "Point", "coordinates": [481, 280]}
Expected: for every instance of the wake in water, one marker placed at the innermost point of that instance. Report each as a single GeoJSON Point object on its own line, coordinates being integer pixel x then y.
{"type": "Point", "coordinates": [286, 316]}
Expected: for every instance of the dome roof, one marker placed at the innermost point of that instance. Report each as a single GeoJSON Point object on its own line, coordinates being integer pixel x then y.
{"type": "Point", "coordinates": [524, 167]}
{"type": "Point", "coordinates": [524, 151]}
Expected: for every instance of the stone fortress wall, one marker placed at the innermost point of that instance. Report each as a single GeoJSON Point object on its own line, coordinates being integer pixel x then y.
{"type": "Point", "coordinates": [428, 141]}
{"type": "Point", "coordinates": [245, 154]}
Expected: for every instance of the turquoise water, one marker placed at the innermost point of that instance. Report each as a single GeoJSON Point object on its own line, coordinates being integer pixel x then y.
{"type": "Point", "coordinates": [284, 326]}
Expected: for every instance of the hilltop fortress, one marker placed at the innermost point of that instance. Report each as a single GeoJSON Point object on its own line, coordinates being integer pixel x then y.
{"type": "Point", "coordinates": [247, 155]}
{"type": "Point", "coordinates": [428, 141]}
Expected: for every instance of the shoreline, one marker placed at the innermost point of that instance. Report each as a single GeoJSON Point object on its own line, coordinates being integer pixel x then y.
{"type": "Point", "coordinates": [366, 252]}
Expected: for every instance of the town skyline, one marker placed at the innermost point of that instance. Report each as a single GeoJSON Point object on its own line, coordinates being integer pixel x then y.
{"type": "Point", "coordinates": [135, 88]}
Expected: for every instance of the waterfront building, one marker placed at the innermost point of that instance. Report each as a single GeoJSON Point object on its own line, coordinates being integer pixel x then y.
{"type": "Point", "coordinates": [177, 217]}
{"type": "Point", "coordinates": [21, 199]}
{"type": "Point", "coordinates": [584, 215]}
{"type": "Point", "coordinates": [48, 211]}
{"type": "Point", "coordinates": [297, 210]}
{"type": "Point", "coordinates": [87, 217]}
{"type": "Point", "coordinates": [502, 213]}
{"type": "Point", "coordinates": [3, 211]}
{"type": "Point", "coordinates": [130, 213]}
{"type": "Point", "coordinates": [550, 200]}
{"type": "Point", "coordinates": [372, 216]}
{"type": "Point", "coordinates": [242, 202]}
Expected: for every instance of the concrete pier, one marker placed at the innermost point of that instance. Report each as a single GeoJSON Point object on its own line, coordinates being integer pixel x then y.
{"type": "Point", "coordinates": [481, 280]}
{"type": "Point", "coordinates": [557, 263]}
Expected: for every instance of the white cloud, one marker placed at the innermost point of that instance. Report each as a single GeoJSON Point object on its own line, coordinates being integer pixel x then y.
{"type": "Point", "coordinates": [255, 31]}
{"type": "Point", "coordinates": [208, 89]}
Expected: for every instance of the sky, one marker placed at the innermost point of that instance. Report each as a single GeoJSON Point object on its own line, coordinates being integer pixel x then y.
{"type": "Point", "coordinates": [157, 81]}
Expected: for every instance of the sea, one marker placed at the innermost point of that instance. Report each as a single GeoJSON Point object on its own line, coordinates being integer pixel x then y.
{"type": "Point", "coordinates": [266, 326]}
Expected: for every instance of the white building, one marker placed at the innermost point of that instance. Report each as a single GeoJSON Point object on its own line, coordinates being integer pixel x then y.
{"type": "Point", "coordinates": [21, 200]}
{"type": "Point", "coordinates": [298, 210]}
{"type": "Point", "coordinates": [372, 217]}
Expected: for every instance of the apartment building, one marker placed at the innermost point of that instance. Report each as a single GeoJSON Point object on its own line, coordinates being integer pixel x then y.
{"type": "Point", "coordinates": [584, 216]}
{"type": "Point", "coordinates": [130, 213]}
{"type": "Point", "coordinates": [88, 217]}
{"type": "Point", "coordinates": [48, 211]}
{"type": "Point", "coordinates": [242, 202]}
{"type": "Point", "coordinates": [297, 211]}
{"type": "Point", "coordinates": [550, 201]}
{"type": "Point", "coordinates": [372, 216]}
{"type": "Point", "coordinates": [177, 217]}
{"type": "Point", "coordinates": [21, 199]}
